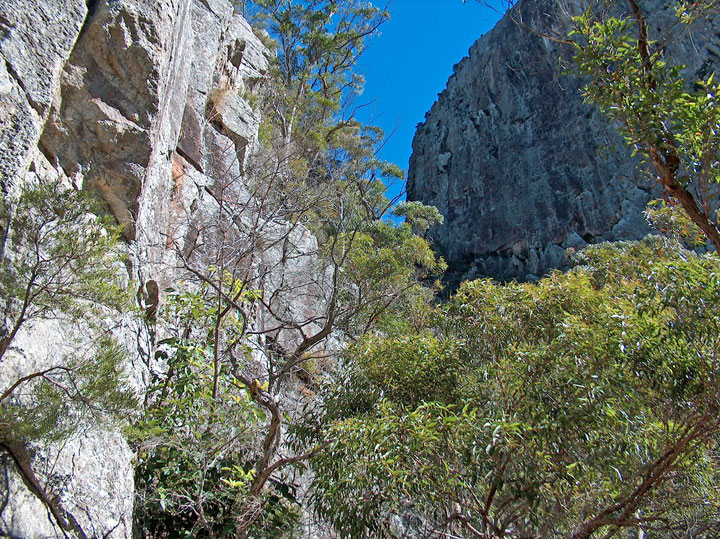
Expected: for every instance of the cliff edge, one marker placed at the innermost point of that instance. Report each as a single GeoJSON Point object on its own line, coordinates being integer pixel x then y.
{"type": "Point", "coordinates": [142, 102]}
{"type": "Point", "coordinates": [518, 165]}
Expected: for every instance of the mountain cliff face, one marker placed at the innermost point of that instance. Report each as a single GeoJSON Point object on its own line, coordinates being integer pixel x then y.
{"type": "Point", "coordinates": [140, 100]}
{"type": "Point", "coordinates": [520, 168]}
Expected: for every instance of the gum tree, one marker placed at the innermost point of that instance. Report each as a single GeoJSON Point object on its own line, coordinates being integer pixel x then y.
{"type": "Point", "coordinates": [297, 254]}
{"type": "Point", "coordinates": [672, 126]}
{"type": "Point", "coordinates": [584, 404]}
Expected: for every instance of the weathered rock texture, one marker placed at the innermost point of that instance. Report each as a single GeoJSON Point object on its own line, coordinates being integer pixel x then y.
{"type": "Point", "coordinates": [518, 165]}
{"type": "Point", "coordinates": [141, 101]}
{"type": "Point", "coordinates": [36, 39]}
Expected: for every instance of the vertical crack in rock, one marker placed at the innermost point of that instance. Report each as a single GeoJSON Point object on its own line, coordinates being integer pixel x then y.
{"type": "Point", "coordinates": [18, 80]}
{"type": "Point", "coordinates": [92, 9]}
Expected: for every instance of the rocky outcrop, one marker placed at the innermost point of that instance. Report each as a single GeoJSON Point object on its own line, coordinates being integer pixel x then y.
{"type": "Point", "coordinates": [121, 101]}
{"type": "Point", "coordinates": [520, 168]}
{"type": "Point", "coordinates": [142, 101]}
{"type": "Point", "coordinates": [36, 39]}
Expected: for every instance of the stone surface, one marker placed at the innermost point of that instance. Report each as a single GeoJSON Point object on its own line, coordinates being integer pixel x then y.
{"type": "Point", "coordinates": [126, 102]}
{"type": "Point", "coordinates": [116, 100]}
{"type": "Point", "coordinates": [90, 471]}
{"type": "Point", "coordinates": [91, 476]}
{"type": "Point", "coordinates": [518, 165]}
{"type": "Point", "coordinates": [237, 121]}
{"type": "Point", "coordinates": [191, 143]}
{"type": "Point", "coordinates": [100, 98]}
{"type": "Point", "coordinates": [246, 61]}
{"type": "Point", "coordinates": [210, 21]}
{"type": "Point", "coordinates": [36, 39]}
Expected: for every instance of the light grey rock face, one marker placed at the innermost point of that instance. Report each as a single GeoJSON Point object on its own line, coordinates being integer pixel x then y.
{"type": "Point", "coordinates": [195, 134]}
{"type": "Point", "coordinates": [126, 103]}
{"type": "Point", "coordinates": [36, 39]}
{"type": "Point", "coordinates": [236, 120]}
{"type": "Point", "coordinates": [90, 471]}
{"type": "Point", "coordinates": [274, 255]}
{"type": "Point", "coordinates": [101, 99]}
{"type": "Point", "coordinates": [520, 168]}
{"type": "Point", "coordinates": [119, 98]}
{"type": "Point", "coordinates": [210, 21]}
{"type": "Point", "coordinates": [91, 475]}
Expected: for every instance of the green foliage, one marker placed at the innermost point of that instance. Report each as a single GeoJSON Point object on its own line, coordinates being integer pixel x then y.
{"type": "Point", "coordinates": [688, 12]}
{"type": "Point", "coordinates": [60, 261]}
{"type": "Point", "coordinates": [318, 44]}
{"type": "Point", "coordinates": [212, 461]}
{"type": "Point", "coordinates": [323, 165]}
{"type": "Point", "coordinates": [384, 266]}
{"type": "Point", "coordinates": [585, 403]}
{"type": "Point", "coordinates": [196, 440]}
{"type": "Point", "coordinates": [648, 104]}
{"type": "Point", "coordinates": [418, 216]}
{"type": "Point", "coordinates": [64, 257]}
{"type": "Point", "coordinates": [399, 452]}
{"type": "Point", "coordinates": [670, 221]}
{"type": "Point", "coordinates": [320, 161]}
{"type": "Point", "coordinates": [670, 122]}
{"type": "Point", "coordinates": [78, 388]}
{"type": "Point", "coordinates": [536, 406]}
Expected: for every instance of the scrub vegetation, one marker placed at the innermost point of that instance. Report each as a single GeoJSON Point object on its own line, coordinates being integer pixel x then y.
{"type": "Point", "coordinates": [583, 405]}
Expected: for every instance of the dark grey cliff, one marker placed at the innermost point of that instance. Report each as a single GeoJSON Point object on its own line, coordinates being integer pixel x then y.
{"type": "Point", "coordinates": [518, 165]}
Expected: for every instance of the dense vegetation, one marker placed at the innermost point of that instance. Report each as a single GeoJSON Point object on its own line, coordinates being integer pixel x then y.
{"type": "Point", "coordinates": [212, 456]}
{"type": "Point", "coordinates": [584, 402]}
{"type": "Point", "coordinates": [582, 405]}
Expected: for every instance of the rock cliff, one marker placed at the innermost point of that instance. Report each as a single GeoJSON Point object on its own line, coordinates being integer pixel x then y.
{"type": "Point", "coordinates": [520, 168]}
{"type": "Point", "coordinates": [140, 100]}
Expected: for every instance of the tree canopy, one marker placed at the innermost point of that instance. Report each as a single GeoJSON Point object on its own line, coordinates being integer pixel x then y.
{"type": "Point", "coordinates": [584, 403]}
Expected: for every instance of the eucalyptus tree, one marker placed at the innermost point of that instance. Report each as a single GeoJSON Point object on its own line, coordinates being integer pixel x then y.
{"type": "Point", "coordinates": [298, 256]}
{"type": "Point", "coordinates": [584, 404]}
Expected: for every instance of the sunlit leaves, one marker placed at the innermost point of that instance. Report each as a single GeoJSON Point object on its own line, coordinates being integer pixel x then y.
{"type": "Point", "coordinates": [64, 258]}
{"type": "Point", "coordinates": [534, 404]}
{"type": "Point", "coordinates": [318, 45]}
{"type": "Point", "coordinates": [195, 439]}
{"type": "Point", "coordinates": [671, 122]}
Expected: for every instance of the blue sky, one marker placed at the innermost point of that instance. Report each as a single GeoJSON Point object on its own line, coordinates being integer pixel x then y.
{"type": "Point", "coordinates": [408, 64]}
